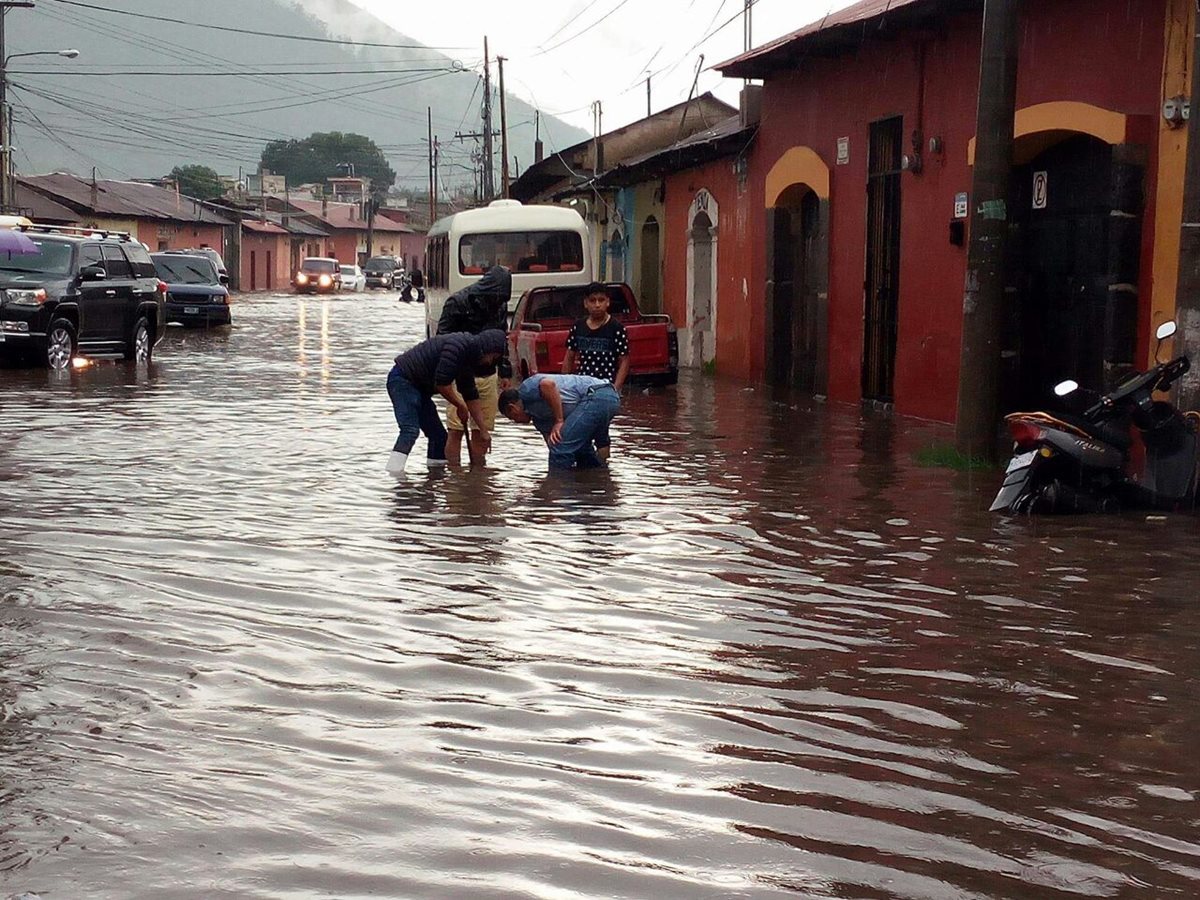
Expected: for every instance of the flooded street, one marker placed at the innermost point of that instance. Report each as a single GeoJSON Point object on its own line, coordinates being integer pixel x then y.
{"type": "Point", "coordinates": [767, 654]}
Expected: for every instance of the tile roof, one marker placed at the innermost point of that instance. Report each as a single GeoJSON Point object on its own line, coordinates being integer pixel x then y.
{"type": "Point", "coordinates": [130, 199]}
{"type": "Point", "coordinates": [263, 227]}
{"type": "Point", "coordinates": [346, 216]}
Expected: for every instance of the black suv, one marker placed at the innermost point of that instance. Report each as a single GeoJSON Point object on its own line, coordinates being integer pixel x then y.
{"type": "Point", "coordinates": [83, 291]}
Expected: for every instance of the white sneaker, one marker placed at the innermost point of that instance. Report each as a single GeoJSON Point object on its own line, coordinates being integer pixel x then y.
{"type": "Point", "coordinates": [395, 463]}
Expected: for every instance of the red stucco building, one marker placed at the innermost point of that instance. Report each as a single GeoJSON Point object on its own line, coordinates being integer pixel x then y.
{"type": "Point", "coordinates": [830, 250]}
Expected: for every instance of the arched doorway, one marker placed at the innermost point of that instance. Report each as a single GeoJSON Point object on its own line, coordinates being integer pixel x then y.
{"type": "Point", "coordinates": [796, 290]}
{"type": "Point", "coordinates": [698, 345]}
{"type": "Point", "coordinates": [1077, 211]}
{"type": "Point", "coordinates": [650, 268]}
{"type": "Point", "coordinates": [616, 253]}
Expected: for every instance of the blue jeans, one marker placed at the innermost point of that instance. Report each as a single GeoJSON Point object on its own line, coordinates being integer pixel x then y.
{"type": "Point", "coordinates": [415, 413]}
{"type": "Point", "coordinates": [587, 422]}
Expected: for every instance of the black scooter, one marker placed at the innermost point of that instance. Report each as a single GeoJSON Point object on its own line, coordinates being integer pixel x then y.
{"type": "Point", "coordinates": [1082, 462]}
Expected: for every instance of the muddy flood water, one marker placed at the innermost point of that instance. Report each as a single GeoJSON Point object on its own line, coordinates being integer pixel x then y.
{"type": "Point", "coordinates": [766, 655]}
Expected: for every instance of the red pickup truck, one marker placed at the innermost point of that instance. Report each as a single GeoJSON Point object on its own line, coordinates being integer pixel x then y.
{"type": "Point", "coordinates": [543, 318]}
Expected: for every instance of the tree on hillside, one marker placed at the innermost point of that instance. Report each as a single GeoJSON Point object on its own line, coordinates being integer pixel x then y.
{"type": "Point", "coordinates": [327, 155]}
{"type": "Point", "coordinates": [197, 181]}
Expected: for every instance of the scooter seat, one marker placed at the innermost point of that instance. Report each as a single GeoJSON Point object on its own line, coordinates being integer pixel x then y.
{"type": "Point", "coordinates": [1114, 433]}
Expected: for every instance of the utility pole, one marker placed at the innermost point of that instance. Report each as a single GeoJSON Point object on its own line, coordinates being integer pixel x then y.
{"type": "Point", "coordinates": [488, 168]}
{"type": "Point", "coordinates": [503, 133]}
{"type": "Point", "coordinates": [983, 293]}
{"type": "Point", "coordinates": [1187, 297]}
{"type": "Point", "coordinates": [6, 185]}
{"type": "Point", "coordinates": [647, 96]}
{"type": "Point", "coordinates": [429, 126]}
{"type": "Point", "coordinates": [436, 181]}
{"type": "Point", "coordinates": [597, 149]}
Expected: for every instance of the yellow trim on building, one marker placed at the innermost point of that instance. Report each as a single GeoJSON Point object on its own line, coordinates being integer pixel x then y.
{"type": "Point", "coordinates": [799, 165]}
{"type": "Point", "coordinates": [1172, 159]}
{"type": "Point", "coordinates": [1066, 117]}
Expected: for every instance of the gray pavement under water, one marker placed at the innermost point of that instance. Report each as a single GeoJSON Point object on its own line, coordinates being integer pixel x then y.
{"type": "Point", "coordinates": [767, 654]}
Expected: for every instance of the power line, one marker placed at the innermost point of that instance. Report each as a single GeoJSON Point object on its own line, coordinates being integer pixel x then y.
{"type": "Point", "coordinates": [258, 34]}
{"type": "Point", "coordinates": [90, 73]}
{"type": "Point", "coordinates": [582, 32]}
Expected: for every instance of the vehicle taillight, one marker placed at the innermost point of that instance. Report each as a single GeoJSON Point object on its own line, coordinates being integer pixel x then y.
{"type": "Point", "coordinates": [1026, 434]}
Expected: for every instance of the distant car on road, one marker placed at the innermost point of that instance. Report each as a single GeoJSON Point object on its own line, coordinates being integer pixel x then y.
{"type": "Point", "coordinates": [195, 294]}
{"type": "Point", "coordinates": [353, 279]}
{"type": "Point", "coordinates": [321, 274]}
{"type": "Point", "coordinates": [81, 290]}
{"type": "Point", "coordinates": [381, 271]}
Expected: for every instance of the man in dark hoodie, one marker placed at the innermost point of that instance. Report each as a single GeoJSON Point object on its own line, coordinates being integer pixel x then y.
{"type": "Point", "coordinates": [445, 364]}
{"type": "Point", "coordinates": [477, 308]}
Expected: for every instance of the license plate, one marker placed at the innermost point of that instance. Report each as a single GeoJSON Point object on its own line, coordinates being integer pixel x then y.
{"type": "Point", "coordinates": [1023, 461]}
{"type": "Point", "coordinates": [191, 310]}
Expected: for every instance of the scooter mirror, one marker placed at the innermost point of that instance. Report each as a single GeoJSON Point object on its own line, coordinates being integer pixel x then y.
{"type": "Point", "coordinates": [1063, 388]}
{"type": "Point", "coordinates": [1165, 330]}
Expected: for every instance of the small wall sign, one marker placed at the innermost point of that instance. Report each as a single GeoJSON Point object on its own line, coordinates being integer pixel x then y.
{"type": "Point", "coordinates": [843, 151]}
{"type": "Point", "coordinates": [1040, 189]}
{"type": "Point", "coordinates": [960, 205]}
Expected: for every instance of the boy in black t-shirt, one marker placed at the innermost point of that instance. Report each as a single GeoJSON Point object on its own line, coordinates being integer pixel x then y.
{"type": "Point", "coordinates": [598, 346]}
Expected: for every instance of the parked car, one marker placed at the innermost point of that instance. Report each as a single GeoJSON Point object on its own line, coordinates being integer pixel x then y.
{"type": "Point", "coordinates": [318, 273]}
{"type": "Point", "coordinates": [212, 255]}
{"type": "Point", "coordinates": [195, 294]}
{"type": "Point", "coordinates": [83, 291]}
{"type": "Point", "coordinates": [544, 316]}
{"type": "Point", "coordinates": [353, 278]}
{"type": "Point", "coordinates": [381, 271]}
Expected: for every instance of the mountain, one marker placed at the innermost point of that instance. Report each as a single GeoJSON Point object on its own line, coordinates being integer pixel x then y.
{"type": "Point", "coordinates": [150, 90]}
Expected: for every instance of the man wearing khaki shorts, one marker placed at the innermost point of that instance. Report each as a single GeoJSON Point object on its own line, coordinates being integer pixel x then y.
{"type": "Point", "coordinates": [489, 397]}
{"type": "Point", "coordinates": [475, 309]}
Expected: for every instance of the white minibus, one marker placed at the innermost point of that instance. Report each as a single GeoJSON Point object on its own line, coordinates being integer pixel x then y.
{"type": "Point", "coordinates": [539, 245]}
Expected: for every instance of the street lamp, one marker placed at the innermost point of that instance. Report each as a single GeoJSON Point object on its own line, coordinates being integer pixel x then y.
{"type": "Point", "coordinates": [6, 187]}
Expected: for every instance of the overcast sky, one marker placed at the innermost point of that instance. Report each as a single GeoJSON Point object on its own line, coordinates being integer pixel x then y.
{"type": "Point", "coordinates": [562, 57]}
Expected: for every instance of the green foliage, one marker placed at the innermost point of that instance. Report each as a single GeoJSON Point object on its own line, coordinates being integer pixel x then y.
{"type": "Point", "coordinates": [709, 368]}
{"type": "Point", "coordinates": [943, 456]}
{"type": "Point", "coordinates": [200, 182]}
{"type": "Point", "coordinates": [325, 155]}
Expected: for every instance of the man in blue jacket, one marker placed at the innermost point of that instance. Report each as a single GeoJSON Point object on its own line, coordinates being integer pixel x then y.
{"type": "Point", "coordinates": [570, 411]}
{"type": "Point", "coordinates": [445, 364]}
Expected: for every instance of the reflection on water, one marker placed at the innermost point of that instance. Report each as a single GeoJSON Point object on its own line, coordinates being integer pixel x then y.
{"type": "Point", "coordinates": [764, 655]}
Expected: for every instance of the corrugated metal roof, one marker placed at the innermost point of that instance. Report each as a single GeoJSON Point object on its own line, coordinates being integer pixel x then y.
{"type": "Point", "coordinates": [722, 139]}
{"type": "Point", "coordinates": [41, 208]}
{"type": "Point", "coordinates": [129, 199]}
{"type": "Point", "coordinates": [862, 11]}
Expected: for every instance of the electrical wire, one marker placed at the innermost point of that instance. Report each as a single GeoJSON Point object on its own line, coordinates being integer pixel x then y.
{"type": "Point", "coordinates": [257, 34]}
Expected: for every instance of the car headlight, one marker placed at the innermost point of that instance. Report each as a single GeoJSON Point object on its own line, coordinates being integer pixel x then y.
{"type": "Point", "coordinates": [324, 281]}
{"type": "Point", "coordinates": [27, 297]}
{"type": "Point", "coordinates": [301, 278]}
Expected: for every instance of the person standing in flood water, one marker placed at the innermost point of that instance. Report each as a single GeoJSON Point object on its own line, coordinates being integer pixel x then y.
{"type": "Point", "coordinates": [598, 346]}
{"type": "Point", "coordinates": [445, 364]}
{"type": "Point", "coordinates": [476, 308]}
{"type": "Point", "coordinates": [570, 411]}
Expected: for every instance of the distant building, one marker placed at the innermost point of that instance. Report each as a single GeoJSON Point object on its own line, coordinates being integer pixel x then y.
{"type": "Point", "coordinates": [160, 218]}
